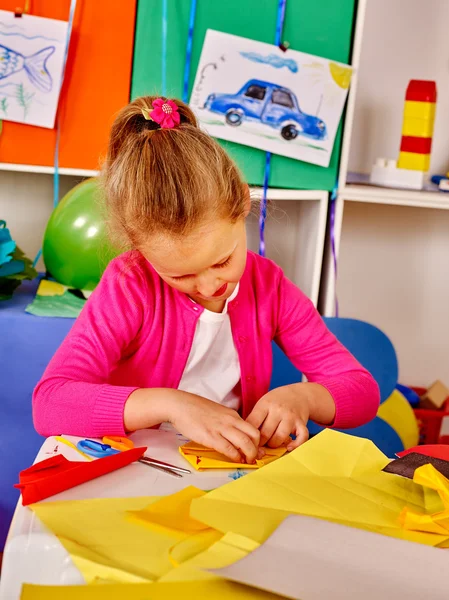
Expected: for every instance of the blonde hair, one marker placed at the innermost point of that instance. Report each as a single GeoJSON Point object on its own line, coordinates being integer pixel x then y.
{"type": "Point", "coordinates": [166, 180]}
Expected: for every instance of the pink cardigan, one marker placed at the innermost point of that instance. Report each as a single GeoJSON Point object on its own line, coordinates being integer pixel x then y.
{"type": "Point", "coordinates": [135, 331]}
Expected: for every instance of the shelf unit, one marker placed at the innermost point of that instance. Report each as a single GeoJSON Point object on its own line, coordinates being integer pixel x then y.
{"type": "Point", "coordinates": [295, 232]}
{"type": "Point", "coordinates": [392, 244]}
{"type": "Point", "coordinates": [16, 168]}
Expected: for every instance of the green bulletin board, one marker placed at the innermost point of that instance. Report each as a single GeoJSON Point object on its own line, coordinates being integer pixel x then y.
{"type": "Point", "coordinates": [321, 27]}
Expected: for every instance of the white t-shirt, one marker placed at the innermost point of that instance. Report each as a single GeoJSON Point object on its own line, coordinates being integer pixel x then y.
{"type": "Point", "coordinates": [213, 366]}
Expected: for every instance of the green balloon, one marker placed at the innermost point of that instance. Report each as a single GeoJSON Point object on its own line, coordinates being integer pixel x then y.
{"type": "Point", "coordinates": [76, 250]}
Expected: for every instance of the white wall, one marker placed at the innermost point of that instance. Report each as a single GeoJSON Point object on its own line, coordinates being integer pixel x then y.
{"type": "Point", "coordinates": [402, 40]}
{"type": "Point", "coordinates": [393, 272]}
{"type": "Point", "coordinates": [293, 232]}
{"type": "Point", "coordinates": [26, 202]}
{"type": "Point", "coordinates": [393, 262]}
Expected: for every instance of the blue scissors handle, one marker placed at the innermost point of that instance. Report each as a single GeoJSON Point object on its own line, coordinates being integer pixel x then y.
{"type": "Point", "coordinates": [96, 449]}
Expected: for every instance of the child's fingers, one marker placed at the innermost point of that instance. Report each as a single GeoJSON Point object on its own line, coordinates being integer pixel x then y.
{"type": "Point", "coordinates": [224, 446]}
{"type": "Point", "coordinates": [250, 431]}
{"type": "Point", "coordinates": [257, 415]}
{"type": "Point", "coordinates": [242, 442]}
{"type": "Point", "coordinates": [282, 433]}
{"type": "Point", "coordinates": [302, 435]}
{"type": "Point", "coordinates": [268, 428]}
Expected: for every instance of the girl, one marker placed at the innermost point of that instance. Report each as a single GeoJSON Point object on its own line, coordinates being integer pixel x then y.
{"type": "Point", "coordinates": [180, 327]}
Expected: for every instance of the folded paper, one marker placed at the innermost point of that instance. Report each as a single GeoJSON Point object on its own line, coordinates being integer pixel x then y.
{"type": "Point", "coordinates": [407, 465]}
{"type": "Point", "coordinates": [334, 476]}
{"type": "Point", "coordinates": [57, 474]}
{"type": "Point", "coordinates": [122, 539]}
{"type": "Point", "coordinates": [437, 522]}
{"type": "Point", "coordinates": [312, 559]}
{"type": "Point", "coordinates": [202, 458]}
{"type": "Point", "coordinates": [217, 590]}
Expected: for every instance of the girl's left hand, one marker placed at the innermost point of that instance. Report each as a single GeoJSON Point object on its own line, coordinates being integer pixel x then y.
{"type": "Point", "coordinates": [279, 413]}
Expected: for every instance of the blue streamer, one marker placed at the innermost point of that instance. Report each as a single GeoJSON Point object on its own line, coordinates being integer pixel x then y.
{"type": "Point", "coordinates": [185, 91]}
{"type": "Point", "coordinates": [333, 208]}
{"type": "Point", "coordinates": [263, 205]}
{"type": "Point", "coordinates": [58, 128]}
{"type": "Point", "coordinates": [280, 21]}
{"type": "Point", "coordinates": [164, 46]}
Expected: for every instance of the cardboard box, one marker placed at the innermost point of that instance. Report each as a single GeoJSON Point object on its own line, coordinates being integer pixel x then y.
{"type": "Point", "coordinates": [435, 397]}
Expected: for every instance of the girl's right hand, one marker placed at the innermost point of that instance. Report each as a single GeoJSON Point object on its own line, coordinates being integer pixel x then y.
{"type": "Point", "coordinates": [215, 426]}
{"type": "Point", "coordinates": [201, 420]}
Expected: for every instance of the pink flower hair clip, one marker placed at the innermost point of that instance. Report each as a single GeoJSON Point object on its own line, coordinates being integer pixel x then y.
{"type": "Point", "coordinates": [165, 113]}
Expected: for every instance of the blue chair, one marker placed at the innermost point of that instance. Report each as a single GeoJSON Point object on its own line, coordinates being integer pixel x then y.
{"type": "Point", "coordinates": [376, 353]}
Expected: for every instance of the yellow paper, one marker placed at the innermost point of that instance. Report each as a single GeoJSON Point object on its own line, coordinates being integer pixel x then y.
{"type": "Point", "coordinates": [105, 543]}
{"type": "Point", "coordinates": [51, 288]}
{"type": "Point", "coordinates": [335, 477]}
{"type": "Point", "coordinates": [172, 512]}
{"type": "Point", "coordinates": [202, 458]}
{"type": "Point", "coordinates": [226, 551]}
{"type": "Point", "coordinates": [217, 589]}
{"type": "Point", "coordinates": [397, 412]}
{"type": "Point", "coordinates": [436, 522]}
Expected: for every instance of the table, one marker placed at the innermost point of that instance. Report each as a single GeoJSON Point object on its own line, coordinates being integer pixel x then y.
{"type": "Point", "coordinates": [26, 345]}
{"type": "Point", "coordinates": [34, 555]}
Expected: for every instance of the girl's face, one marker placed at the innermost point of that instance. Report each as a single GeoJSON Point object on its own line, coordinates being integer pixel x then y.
{"type": "Point", "coordinates": [206, 264]}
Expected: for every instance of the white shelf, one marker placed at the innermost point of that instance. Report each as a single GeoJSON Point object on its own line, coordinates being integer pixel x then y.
{"type": "Point", "coordinates": [273, 193]}
{"type": "Point", "coordinates": [47, 170]}
{"type": "Point", "coordinates": [284, 194]}
{"type": "Point", "coordinates": [381, 195]}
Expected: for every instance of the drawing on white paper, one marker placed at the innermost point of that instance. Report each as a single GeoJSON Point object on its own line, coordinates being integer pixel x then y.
{"type": "Point", "coordinates": [32, 55]}
{"type": "Point", "coordinates": [252, 93]}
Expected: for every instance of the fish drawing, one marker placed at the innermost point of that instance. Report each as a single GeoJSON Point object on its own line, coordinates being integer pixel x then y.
{"type": "Point", "coordinates": [35, 66]}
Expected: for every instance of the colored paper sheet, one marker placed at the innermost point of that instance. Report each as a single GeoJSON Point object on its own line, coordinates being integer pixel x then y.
{"type": "Point", "coordinates": [334, 476]}
{"type": "Point", "coordinates": [323, 28]}
{"type": "Point", "coordinates": [248, 97]}
{"type": "Point", "coordinates": [66, 305]}
{"type": "Point", "coordinates": [438, 522]}
{"type": "Point", "coordinates": [55, 300]}
{"type": "Point", "coordinates": [106, 544]}
{"type": "Point", "coordinates": [408, 464]}
{"type": "Point", "coordinates": [312, 559]}
{"type": "Point", "coordinates": [435, 450]}
{"type": "Point", "coordinates": [172, 512]}
{"type": "Point", "coordinates": [97, 61]}
{"type": "Point", "coordinates": [33, 52]}
{"type": "Point", "coordinates": [202, 458]}
{"type": "Point", "coordinates": [216, 590]}
{"type": "Point", "coordinates": [226, 551]}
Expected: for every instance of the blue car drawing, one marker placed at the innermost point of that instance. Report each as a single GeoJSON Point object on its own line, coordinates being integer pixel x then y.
{"type": "Point", "coordinates": [270, 104]}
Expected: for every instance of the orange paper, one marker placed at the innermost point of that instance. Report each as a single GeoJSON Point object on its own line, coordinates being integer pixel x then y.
{"type": "Point", "coordinates": [96, 85]}
{"type": "Point", "coordinates": [202, 458]}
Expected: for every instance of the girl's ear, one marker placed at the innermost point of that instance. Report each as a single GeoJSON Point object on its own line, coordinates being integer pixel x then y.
{"type": "Point", "coordinates": [247, 199]}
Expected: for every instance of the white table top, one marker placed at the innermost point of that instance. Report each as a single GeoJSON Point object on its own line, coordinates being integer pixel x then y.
{"type": "Point", "coordinates": [34, 555]}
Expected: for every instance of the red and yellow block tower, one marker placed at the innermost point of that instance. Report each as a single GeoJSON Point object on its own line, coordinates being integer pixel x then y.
{"type": "Point", "coordinates": [418, 125]}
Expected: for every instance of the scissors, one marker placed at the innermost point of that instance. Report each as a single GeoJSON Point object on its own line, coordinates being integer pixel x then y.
{"type": "Point", "coordinates": [114, 444]}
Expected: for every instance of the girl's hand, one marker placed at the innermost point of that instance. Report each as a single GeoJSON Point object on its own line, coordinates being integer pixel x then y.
{"type": "Point", "coordinates": [279, 413]}
{"type": "Point", "coordinates": [215, 426]}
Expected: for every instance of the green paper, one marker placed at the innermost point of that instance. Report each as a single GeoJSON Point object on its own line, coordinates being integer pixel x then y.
{"type": "Point", "coordinates": [10, 283]}
{"type": "Point", "coordinates": [67, 305]}
{"type": "Point", "coordinates": [7, 287]}
{"type": "Point", "coordinates": [322, 28]}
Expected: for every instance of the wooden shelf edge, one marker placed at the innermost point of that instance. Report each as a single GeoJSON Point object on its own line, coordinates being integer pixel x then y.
{"type": "Point", "coordinates": [47, 170]}
{"type": "Point", "coordinates": [395, 197]}
{"type": "Point", "coordinates": [287, 194]}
